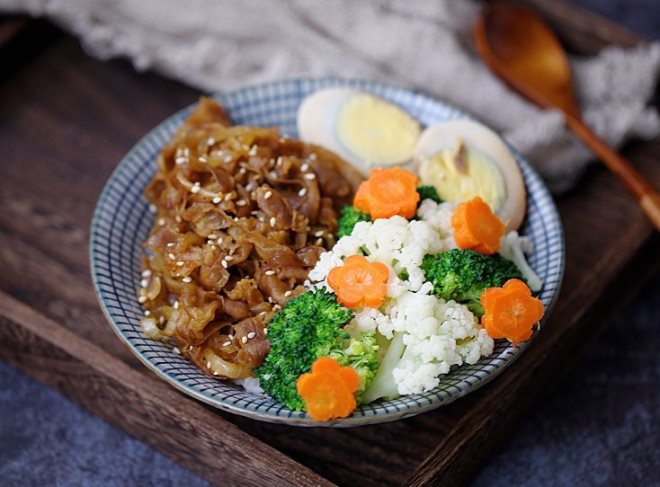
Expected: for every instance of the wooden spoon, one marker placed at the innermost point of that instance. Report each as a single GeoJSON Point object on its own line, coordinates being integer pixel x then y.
{"type": "Point", "coordinates": [516, 44]}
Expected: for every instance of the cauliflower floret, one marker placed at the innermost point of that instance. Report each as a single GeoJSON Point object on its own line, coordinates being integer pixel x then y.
{"type": "Point", "coordinates": [458, 321]}
{"type": "Point", "coordinates": [434, 334]}
{"type": "Point", "coordinates": [438, 216]}
{"type": "Point", "coordinates": [432, 344]}
{"type": "Point", "coordinates": [345, 246]}
{"type": "Point", "coordinates": [414, 377]}
{"type": "Point", "coordinates": [412, 312]}
{"type": "Point", "coordinates": [368, 320]}
{"type": "Point", "coordinates": [327, 261]}
{"type": "Point", "coordinates": [386, 237]}
{"type": "Point", "coordinates": [514, 247]}
{"type": "Point", "coordinates": [472, 349]}
{"type": "Point", "coordinates": [398, 243]}
{"type": "Point", "coordinates": [436, 348]}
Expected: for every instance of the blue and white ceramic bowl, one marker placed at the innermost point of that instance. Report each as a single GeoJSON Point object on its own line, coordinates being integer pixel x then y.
{"type": "Point", "coordinates": [122, 221]}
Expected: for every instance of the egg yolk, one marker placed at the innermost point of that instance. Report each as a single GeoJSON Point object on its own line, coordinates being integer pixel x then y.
{"type": "Point", "coordinates": [479, 176]}
{"type": "Point", "coordinates": [377, 132]}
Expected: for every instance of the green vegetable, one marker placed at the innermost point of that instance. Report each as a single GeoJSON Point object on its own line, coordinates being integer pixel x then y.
{"type": "Point", "coordinates": [361, 353]}
{"type": "Point", "coordinates": [462, 275]}
{"type": "Point", "coordinates": [428, 192]}
{"type": "Point", "coordinates": [308, 327]}
{"type": "Point", "coordinates": [348, 218]}
{"type": "Point", "coordinates": [383, 384]}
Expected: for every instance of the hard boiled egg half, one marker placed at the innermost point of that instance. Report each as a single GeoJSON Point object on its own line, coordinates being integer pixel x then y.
{"type": "Point", "coordinates": [364, 129]}
{"type": "Point", "coordinates": [464, 159]}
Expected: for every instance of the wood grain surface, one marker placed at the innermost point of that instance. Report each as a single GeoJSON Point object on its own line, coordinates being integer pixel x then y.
{"type": "Point", "coordinates": [66, 121]}
{"type": "Point", "coordinates": [145, 406]}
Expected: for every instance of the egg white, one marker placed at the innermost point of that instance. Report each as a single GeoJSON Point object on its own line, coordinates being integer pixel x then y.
{"type": "Point", "coordinates": [444, 135]}
{"type": "Point", "coordinates": [362, 128]}
{"type": "Point", "coordinates": [316, 120]}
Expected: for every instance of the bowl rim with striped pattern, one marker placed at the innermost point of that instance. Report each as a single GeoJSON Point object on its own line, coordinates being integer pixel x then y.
{"type": "Point", "coordinates": [122, 220]}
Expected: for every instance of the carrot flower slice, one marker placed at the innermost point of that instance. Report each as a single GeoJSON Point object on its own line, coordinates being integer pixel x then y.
{"type": "Point", "coordinates": [510, 311]}
{"type": "Point", "coordinates": [388, 192]}
{"type": "Point", "coordinates": [328, 390]}
{"type": "Point", "coordinates": [476, 227]}
{"type": "Point", "coordinates": [359, 283]}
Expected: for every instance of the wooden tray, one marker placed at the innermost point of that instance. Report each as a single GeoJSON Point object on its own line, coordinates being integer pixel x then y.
{"type": "Point", "coordinates": [66, 120]}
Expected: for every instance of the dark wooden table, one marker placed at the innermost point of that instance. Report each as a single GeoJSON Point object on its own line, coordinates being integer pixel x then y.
{"type": "Point", "coordinates": [65, 122]}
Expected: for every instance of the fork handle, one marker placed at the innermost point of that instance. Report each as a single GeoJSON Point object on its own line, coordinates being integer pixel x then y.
{"type": "Point", "coordinates": [647, 196]}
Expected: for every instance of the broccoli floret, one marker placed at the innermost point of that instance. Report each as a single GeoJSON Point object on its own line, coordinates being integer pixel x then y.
{"type": "Point", "coordinates": [361, 353]}
{"type": "Point", "coordinates": [308, 327]}
{"type": "Point", "coordinates": [348, 218]}
{"type": "Point", "coordinates": [462, 275]}
{"type": "Point", "coordinates": [428, 193]}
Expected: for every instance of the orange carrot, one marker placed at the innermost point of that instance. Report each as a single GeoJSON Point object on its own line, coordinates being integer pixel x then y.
{"type": "Point", "coordinates": [388, 192]}
{"type": "Point", "coordinates": [476, 227]}
{"type": "Point", "coordinates": [328, 389]}
{"type": "Point", "coordinates": [359, 283]}
{"type": "Point", "coordinates": [510, 311]}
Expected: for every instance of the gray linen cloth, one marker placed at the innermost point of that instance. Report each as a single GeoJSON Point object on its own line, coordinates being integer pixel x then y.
{"type": "Point", "coordinates": [426, 45]}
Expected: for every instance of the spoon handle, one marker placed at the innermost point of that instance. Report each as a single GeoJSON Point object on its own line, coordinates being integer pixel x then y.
{"type": "Point", "coordinates": [648, 197]}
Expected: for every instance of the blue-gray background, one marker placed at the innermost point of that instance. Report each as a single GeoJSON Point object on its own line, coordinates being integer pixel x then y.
{"type": "Point", "coordinates": [600, 427]}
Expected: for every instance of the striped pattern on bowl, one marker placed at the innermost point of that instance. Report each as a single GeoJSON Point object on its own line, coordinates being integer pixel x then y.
{"type": "Point", "coordinates": [122, 221]}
